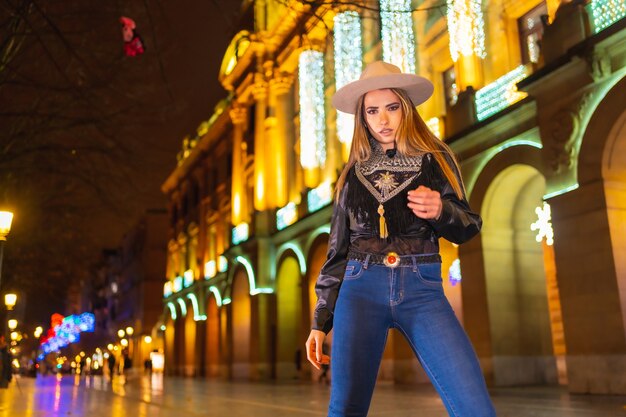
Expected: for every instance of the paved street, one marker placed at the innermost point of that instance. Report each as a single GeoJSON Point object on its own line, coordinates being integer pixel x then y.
{"type": "Point", "coordinates": [168, 397]}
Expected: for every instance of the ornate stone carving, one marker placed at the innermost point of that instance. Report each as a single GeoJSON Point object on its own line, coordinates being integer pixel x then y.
{"type": "Point", "coordinates": [259, 90]}
{"type": "Point", "coordinates": [239, 115]}
{"type": "Point", "coordinates": [564, 132]}
{"type": "Point", "coordinates": [280, 85]}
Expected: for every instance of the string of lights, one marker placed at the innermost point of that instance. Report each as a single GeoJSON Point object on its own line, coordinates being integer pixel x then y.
{"type": "Point", "coordinates": [607, 12]}
{"type": "Point", "coordinates": [348, 63]}
{"type": "Point", "coordinates": [312, 117]}
{"type": "Point", "coordinates": [466, 28]}
{"type": "Point", "coordinates": [398, 37]}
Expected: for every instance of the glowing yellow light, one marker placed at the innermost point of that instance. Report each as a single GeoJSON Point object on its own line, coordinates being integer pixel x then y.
{"type": "Point", "coordinates": [124, 342]}
{"type": "Point", "coordinates": [121, 333]}
{"type": "Point", "coordinates": [110, 346]}
{"type": "Point", "coordinates": [210, 269]}
{"type": "Point", "coordinates": [6, 217]}
{"type": "Point", "coordinates": [397, 34]}
{"type": "Point", "coordinates": [12, 324]}
{"type": "Point", "coordinates": [130, 331]}
{"type": "Point", "coordinates": [434, 124]}
{"type": "Point", "coordinates": [147, 339]}
{"type": "Point", "coordinates": [466, 28]}
{"type": "Point", "coordinates": [10, 300]}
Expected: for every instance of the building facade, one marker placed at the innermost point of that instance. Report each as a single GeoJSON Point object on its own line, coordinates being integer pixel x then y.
{"type": "Point", "coordinates": [528, 93]}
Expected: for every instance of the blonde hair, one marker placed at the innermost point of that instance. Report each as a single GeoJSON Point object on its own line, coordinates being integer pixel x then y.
{"type": "Point", "coordinates": [413, 138]}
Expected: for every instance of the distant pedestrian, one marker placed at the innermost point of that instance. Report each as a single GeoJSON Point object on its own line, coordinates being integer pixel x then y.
{"type": "Point", "coordinates": [6, 373]}
{"type": "Point", "coordinates": [111, 363]}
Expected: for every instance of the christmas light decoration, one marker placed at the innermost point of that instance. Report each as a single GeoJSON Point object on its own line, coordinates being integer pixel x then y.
{"type": "Point", "coordinates": [348, 64]}
{"type": "Point", "coordinates": [222, 263]}
{"type": "Point", "coordinates": [240, 233]}
{"type": "Point", "coordinates": [66, 331]}
{"type": "Point", "coordinates": [286, 216]}
{"type": "Point", "coordinates": [319, 197]}
{"type": "Point", "coordinates": [454, 273]}
{"type": "Point", "coordinates": [435, 126]}
{"type": "Point", "coordinates": [466, 28]}
{"type": "Point", "coordinates": [397, 34]}
{"type": "Point", "coordinates": [210, 269]}
{"type": "Point", "coordinates": [543, 225]}
{"type": "Point", "coordinates": [172, 308]}
{"type": "Point", "coordinates": [178, 284]}
{"type": "Point", "coordinates": [607, 12]}
{"type": "Point", "coordinates": [217, 295]}
{"type": "Point", "coordinates": [501, 93]}
{"type": "Point", "coordinates": [188, 278]}
{"type": "Point", "coordinates": [312, 116]}
{"type": "Point", "coordinates": [167, 289]}
{"type": "Point", "coordinates": [183, 306]}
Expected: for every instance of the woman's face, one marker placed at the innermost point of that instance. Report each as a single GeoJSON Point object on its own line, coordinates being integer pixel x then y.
{"type": "Point", "coordinates": [383, 114]}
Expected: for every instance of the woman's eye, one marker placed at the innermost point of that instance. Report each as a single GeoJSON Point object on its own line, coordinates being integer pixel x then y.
{"type": "Point", "coordinates": [394, 107]}
{"type": "Point", "coordinates": [371, 111]}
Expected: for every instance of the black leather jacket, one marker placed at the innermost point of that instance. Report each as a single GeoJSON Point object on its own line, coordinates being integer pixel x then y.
{"type": "Point", "coordinates": [351, 229]}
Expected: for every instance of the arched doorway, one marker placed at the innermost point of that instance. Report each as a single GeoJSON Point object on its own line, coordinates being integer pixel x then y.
{"type": "Point", "coordinates": [515, 276]}
{"type": "Point", "coordinates": [179, 342]}
{"type": "Point", "coordinates": [317, 257]}
{"type": "Point", "coordinates": [189, 344]}
{"type": "Point", "coordinates": [170, 346]}
{"type": "Point", "coordinates": [289, 313]}
{"type": "Point", "coordinates": [212, 338]}
{"type": "Point", "coordinates": [241, 312]}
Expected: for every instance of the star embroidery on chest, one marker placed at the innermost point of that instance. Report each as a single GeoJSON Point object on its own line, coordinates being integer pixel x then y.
{"type": "Point", "coordinates": [386, 183]}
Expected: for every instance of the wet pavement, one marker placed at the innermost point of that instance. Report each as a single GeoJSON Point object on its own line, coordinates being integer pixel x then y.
{"type": "Point", "coordinates": [156, 396]}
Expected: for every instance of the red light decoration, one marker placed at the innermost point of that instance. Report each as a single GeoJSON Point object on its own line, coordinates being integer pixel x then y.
{"type": "Point", "coordinates": [133, 44]}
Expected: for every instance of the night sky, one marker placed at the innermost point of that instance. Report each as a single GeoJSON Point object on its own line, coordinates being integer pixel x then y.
{"type": "Point", "coordinates": [88, 134]}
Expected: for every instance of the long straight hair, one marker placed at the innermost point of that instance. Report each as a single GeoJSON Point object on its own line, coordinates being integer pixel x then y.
{"type": "Point", "coordinates": [413, 138]}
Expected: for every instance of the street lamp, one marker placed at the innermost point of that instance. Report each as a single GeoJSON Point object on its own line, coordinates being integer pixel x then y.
{"type": "Point", "coordinates": [12, 324]}
{"type": "Point", "coordinates": [10, 300]}
{"type": "Point", "coordinates": [6, 217]}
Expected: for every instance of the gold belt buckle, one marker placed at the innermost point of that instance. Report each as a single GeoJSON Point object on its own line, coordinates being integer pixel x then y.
{"type": "Point", "coordinates": [391, 260]}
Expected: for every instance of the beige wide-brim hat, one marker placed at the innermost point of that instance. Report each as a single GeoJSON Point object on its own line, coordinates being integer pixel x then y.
{"type": "Point", "coordinates": [379, 75]}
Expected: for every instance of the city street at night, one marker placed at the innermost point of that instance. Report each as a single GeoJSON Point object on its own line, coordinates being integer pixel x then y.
{"type": "Point", "coordinates": [156, 396]}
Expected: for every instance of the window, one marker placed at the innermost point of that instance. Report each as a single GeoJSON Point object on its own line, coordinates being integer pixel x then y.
{"type": "Point", "coordinates": [531, 31]}
{"type": "Point", "coordinates": [450, 87]}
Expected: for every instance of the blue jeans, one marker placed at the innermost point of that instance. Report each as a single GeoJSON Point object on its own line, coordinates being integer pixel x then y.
{"type": "Point", "coordinates": [376, 298]}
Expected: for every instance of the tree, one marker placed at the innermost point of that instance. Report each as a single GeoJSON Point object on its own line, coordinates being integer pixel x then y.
{"type": "Point", "coordinates": [85, 132]}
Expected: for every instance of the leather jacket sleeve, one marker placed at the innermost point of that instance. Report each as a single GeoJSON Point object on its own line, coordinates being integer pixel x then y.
{"type": "Point", "coordinates": [332, 272]}
{"type": "Point", "coordinates": [457, 223]}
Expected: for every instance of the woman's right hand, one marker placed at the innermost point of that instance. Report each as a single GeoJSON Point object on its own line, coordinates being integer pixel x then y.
{"type": "Point", "coordinates": [314, 349]}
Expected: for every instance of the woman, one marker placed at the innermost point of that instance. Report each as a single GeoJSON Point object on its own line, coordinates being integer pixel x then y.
{"type": "Point", "coordinates": [399, 192]}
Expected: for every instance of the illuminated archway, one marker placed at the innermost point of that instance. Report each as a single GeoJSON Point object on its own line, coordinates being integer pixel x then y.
{"type": "Point", "coordinates": [318, 247]}
{"type": "Point", "coordinates": [170, 346]}
{"type": "Point", "coordinates": [212, 338]}
{"type": "Point", "coordinates": [189, 344]}
{"type": "Point", "coordinates": [519, 318]}
{"type": "Point", "coordinates": [241, 313]}
{"type": "Point", "coordinates": [289, 318]}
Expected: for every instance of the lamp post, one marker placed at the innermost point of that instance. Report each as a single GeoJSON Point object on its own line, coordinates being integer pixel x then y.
{"type": "Point", "coordinates": [6, 218]}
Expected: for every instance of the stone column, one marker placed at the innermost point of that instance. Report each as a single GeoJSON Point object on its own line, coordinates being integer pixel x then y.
{"type": "Point", "coordinates": [239, 116]}
{"type": "Point", "coordinates": [587, 273]}
{"type": "Point", "coordinates": [282, 140]}
{"type": "Point", "coordinates": [260, 156]}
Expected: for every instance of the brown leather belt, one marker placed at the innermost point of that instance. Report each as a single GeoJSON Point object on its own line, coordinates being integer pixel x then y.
{"type": "Point", "coordinates": [392, 259]}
